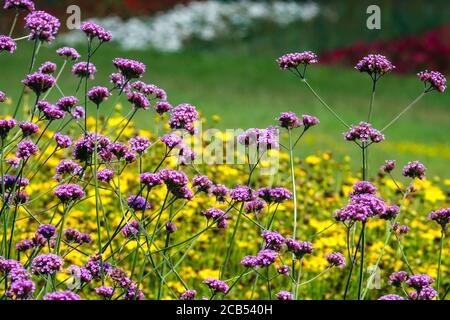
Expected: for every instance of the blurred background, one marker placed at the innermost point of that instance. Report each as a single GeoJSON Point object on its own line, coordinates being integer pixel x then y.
{"type": "Point", "coordinates": [220, 56]}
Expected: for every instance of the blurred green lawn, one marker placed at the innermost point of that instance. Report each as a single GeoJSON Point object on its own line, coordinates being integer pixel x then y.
{"type": "Point", "coordinates": [249, 90]}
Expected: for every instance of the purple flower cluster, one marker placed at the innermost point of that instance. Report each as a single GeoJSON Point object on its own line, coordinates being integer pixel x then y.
{"type": "Point", "coordinates": [150, 90]}
{"type": "Point", "coordinates": [391, 297]}
{"type": "Point", "coordinates": [284, 296]}
{"type": "Point", "coordinates": [413, 170]}
{"type": "Point", "coordinates": [176, 181]}
{"type": "Point", "coordinates": [46, 231]}
{"type": "Point", "coordinates": [162, 107]}
{"type": "Point", "coordinates": [309, 121]}
{"type": "Point", "coordinates": [105, 175]}
{"type": "Point", "coordinates": [68, 53]}
{"type": "Point", "coordinates": [274, 195]}
{"type": "Point", "coordinates": [293, 60]}
{"type": "Point", "coordinates": [389, 166]}
{"type": "Point", "coordinates": [364, 132]}
{"type": "Point", "coordinates": [62, 141]}
{"type": "Point", "coordinates": [131, 229]}
{"type": "Point", "coordinates": [220, 192]}
{"type": "Point", "coordinates": [188, 295]}
{"type": "Point", "coordinates": [26, 5]}
{"type": "Point", "coordinates": [171, 140]}
{"type": "Point", "coordinates": [376, 65]}
{"type": "Point", "coordinates": [361, 207]}
{"type": "Point", "coordinates": [62, 295]}
{"type": "Point", "coordinates": [390, 213]}
{"type": "Point", "coordinates": [263, 138]}
{"type": "Point", "coordinates": [441, 216]}
{"type": "Point", "coordinates": [82, 70]}
{"type": "Point", "coordinates": [202, 184]}
{"type": "Point", "coordinates": [139, 144]}
{"type": "Point", "coordinates": [93, 30]}
{"type": "Point", "coordinates": [216, 285]}
{"type": "Point", "coordinates": [434, 79]}
{"type": "Point", "coordinates": [183, 116]}
{"type": "Point", "coordinates": [398, 278]}
{"type": "Point", "coordinates": [138, 203]}
{"type": "Point", "coordinates": [98, 94]}
{"type": "Point", "coordinates": [289, 120]}
{"type": "Point", "coordinates": [138, 100]}
{"type": "Point", "coordinates": [150, 180]}
{"type": "Point", "coordinates": [69, 192]}
{"type": "Point", "coordinates": [242, 194]}
{"type": "Point", "coordinates": [28, 128]}
{"type": "Point", "coordinates": [363, 187]}
{"type": "Point", "coordinates": [255, 206]}
{"type": "Point", "coordinates": [336, 259]}
{"type": "Point", "coordinates": [66, 167]}
{"type": "Point", "coordinates": [274, 240]}
{"type": "Point", "coordinates": [67, 103]}
{"type": "Point", "coordinates": [42, 26]}
{"type": "Point", "coordinates": [39, 82]}
{"type": "Point", "coordinates": [6, 125]}
{"type": "Point", "coordinates": [130, 69]}
{"type": "Point", "coordinates": [47, 263]}
{"type": "Point", "coordinates": [73, 235]}
{"type": "Point", "coordinates": [2, 97]}
{"type": "Point", "coordinates": [7, 44]}
{"type": "Point", "coordinates": [26, 149]}
{"type": "Point", "coordinates": [299, 248]}
{"type": "Point", "coordinates": [48, 67]}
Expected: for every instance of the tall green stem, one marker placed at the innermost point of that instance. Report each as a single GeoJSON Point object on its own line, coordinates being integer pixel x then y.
{"type": "Point", "coordinates": [441, 246]}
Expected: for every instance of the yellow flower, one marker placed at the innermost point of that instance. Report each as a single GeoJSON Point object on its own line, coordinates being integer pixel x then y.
{"type": "Point", "coordinates": [313, 160]}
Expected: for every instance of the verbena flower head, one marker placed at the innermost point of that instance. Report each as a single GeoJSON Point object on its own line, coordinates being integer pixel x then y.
{"type": "Point", "coordinates": [39, 82]}
{"type": "Point", "coordinates": [441, 216]}
{"type": "Point", "coordinates": [105, 291]}
{"type": "Point", "coordinates": [84, 147]}
{"type": "Point", "coordinates": [78, 113]}
{"type": "Point", "coordinates": [162, 107]}
{"type": "Point", "coordinates": [139, 144]}
{"type": "Point", "coordinates": [6, 125]}
{"type": "Point", "coordinates": [250, 262]}
{"type": "Point", "coordinates": [309, 121]}
{"type": "Point", "coordinates": [274, 240]}
{"type": "Point", "coordinates": [130, 69]}
{"type": "Point", "coordinates": [264, 138]}
{"type": "Point", "coordinates": [62, 141]}
{"type": "Point", "coordinates": [433, 80]}
{"type": "Point", "coordinates": [150, 180]}
{"type": "Point", "coordinates": [361, 207]}
{"type": "Point", "coordinates": [82, 70]}
{"type": "Point", "coordinates": [426, 293]}
{"type": "Point", "coordinates": [22, 289]}
{"type": "Point", "coordinates": [376, 65]}
{"type": "Point", "coordinates": [47, 263]}
{"type": "Point", "coordinates": [93, 30]}
{"type": "Point", "coordinates": [363, 187]}
{"type": "Point", "coordinates": [42, 26]}
{"type": "Point", "coordinates": [67, 167]}
{"type": "Point", "coordinates": [336, 259]}
{"type": "Point", "coordinates": [364, 132]}
{"type": "Point", "coordinates": [398, 278]}
{"type": "Point", "coordinates": [220, 192]}
{"type": "Point", "coordinates": [284, 295]}
{"type": "Point", "coordinates": [138, 100]}
{"type": "Point", "coordinates": [62, 295]}
{"type": "Point", "coordinates": [173, 179]}
{"type": "Point", "coordinates": [25, 245]}
{"type": "Point", "coordinates": [68, 53]}
{"type": "Point", "coordinates": [242, 194]}
{"type": "Point", "coordinates": [414, 169]}
{"type": "Point", "coordinates": [389, 166]}
{"type": "Point", "coordinates": [26, 149]}
{"type": "Point", "coordinates": [293, 60]}
{"type": "Point", "coordinates": [390, 213]}
{"type": "Point", "coordinates": [28, 128]}
{"type": "Point", "coordinates": [98, 94]}
{"type": "Point", "coordinates": [7, 44]}
{"type": "Point", "coordinates": [105, 175]}
{"type": "Point", "coordinates": [2, 97]}
{"type": "Point", "coordinates": [202, 183]}
{"type": "Point", "coordinates": [213, 213]}
{"type": "Point", "coordinates": [171, 140]}
{"type": "Point", "coordinates": [48, 67]}
{"type": "Point", "coordinates": [118, 149]}
{"type": "Point", "coordinates": [170, 227]}
{"type": "Point", "coordinates": [289, 120]}
{"type": "Point", "coordinates": [419, 281]}
{"type": "Point", "coordinates": [299, 248]}
{"type": "Point", "coordinates": [67, 103]}
{"type": "Point", "coordinates": [216, 285]}
{"type": "Point", "coordinates": [391, 297]}
{"type": "Point", "coordinates": [183, 116]}
{"type": "Point", "coordinates": [284, 270]}
{"type": "Point", "coordinates": [69, 192]}
{"type": "Point", "coordinates": [266, 257]}
{"type": "Point", "coordinates": [138, 203]}
{"type": "Point", "coordinates": [274, 195]}
{"type": "Point", "coordinates": [131, 229]}
{"type": "Point", "coordinates": [73, 235]}
{"type": "Point", "coordinates": [400, 229]}
{"type": "Point", "coordinates": [52, 112]}
{"type": "Point", "coordinates": [46, 230]}
{"type": "Point", "coordinates": [26, 5]}
{"type": "Point", "coordinates": [188, 295]}
{"type": "Point", "coordinates": [255, 206]}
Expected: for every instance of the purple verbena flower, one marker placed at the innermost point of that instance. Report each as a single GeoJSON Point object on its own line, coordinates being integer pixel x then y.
{"type": "Point", "coordinates": [184, 116]}
{"type": "Point", "coordinates": [47, 263]}
{"type": "Point", "coordinates": [62, 295]}
{"type": "Point", "coordinates": [293, 60]}
{"type": "Point", "coordinates": [93, 30]}
{"type": "Point", "coordinates": [284, 295]}
{"type": "Point", "coordinates": [336, 259]}
{"type": "Point", "coordinates": [26, 5]}
{"type": "Point", "coordinates": [188, 295]}
{"type": "Point", "coordinates": [388, 167]}
{"type": "Point", "coordinates": [28, 128]}
{"type": "Point", "coordinates": [434, 79]}
{"type": "Point", "coordinates": [105, 175]}
{"type": "Point", "coordinates": [364, 132]}
{"type": "Point", "coordinates": [7, 44]}
{"type": "Point", "coordinates": [216, 285]}
{"type": "Point", "coordinates": [202, 184]}
{"type": "Point", "coordinates": [130, 69]}
{"type": "Point", "coordinates": [6, 125]}
{"type": "Point", "coordinates": [398, 278]}
{"type": "Point", "coordinates": [376, 65]}
{"type": "Point", "coordinates": [289, 120]}
{"type": "Point", "coordinates": [138, 203]}
{"type": "Point", "coordinates": [42, 26]}
{"type": "Point", "coordinates": [274, 240]}
{"type": "Point", "coordinates": [48, 67]}
{"type": "Point", "coordinates": [67, 103]}
{"type": "Point", "coordinates": [62, 141]}
{"type": "Point", "coordinates": [242, 194]}
{"type": "Point", "coordinates": [414, 169]}
{"type": "Point", "coordinates": [68, 53]}
{"type": "Point", "coordinates": [82, 70]}
{"type": "Point", "coordinates": [98, 94]}
{"type": "Point", "coordinates": [26, 149]}
{"type": "Point", "coordinates": [39, 82]}
{"type": "Point", "coordinates": [139, 144]}
{"type": "Point", "coordinates": [69, 192]}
